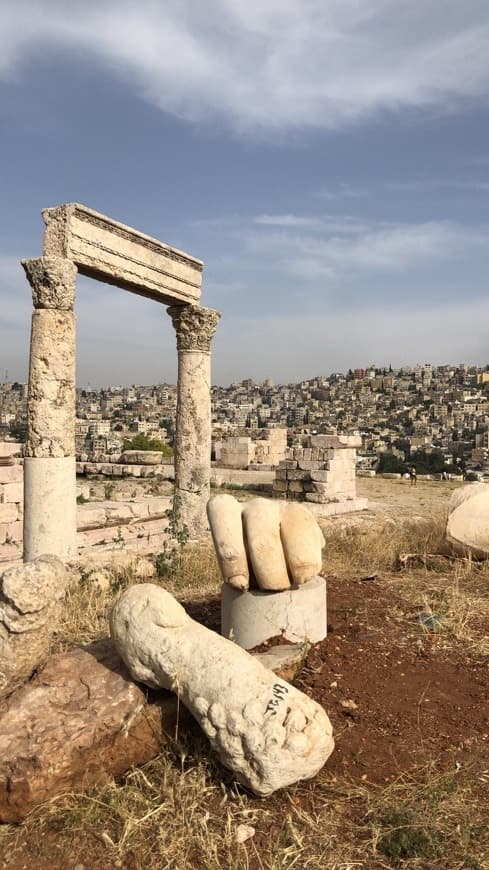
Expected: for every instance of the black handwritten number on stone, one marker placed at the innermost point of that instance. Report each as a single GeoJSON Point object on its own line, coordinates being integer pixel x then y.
{"type": "Point", "coordinates": [278, 691]}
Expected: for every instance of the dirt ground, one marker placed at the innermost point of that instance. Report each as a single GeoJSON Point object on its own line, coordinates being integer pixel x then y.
{"type": "Point", "coordinates": [398, 498]}
{"type": "Point", "coordinates": [404, 677]}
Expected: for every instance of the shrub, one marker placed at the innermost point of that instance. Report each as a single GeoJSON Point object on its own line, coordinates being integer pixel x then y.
{"type": "Point", "coordinates": [143, 442]}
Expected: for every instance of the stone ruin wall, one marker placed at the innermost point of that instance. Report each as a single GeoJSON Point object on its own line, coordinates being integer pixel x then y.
{"type": "Point", "coordinates": [110, 524]}
{"type": "Point", "coordinates": [322, 472]}
{"type": "Point", "coordinates": [132, 463]}
{"type": "Point", "coordinates": [11, 495]}
{"type": "Point", "coordinates": [244, 452]}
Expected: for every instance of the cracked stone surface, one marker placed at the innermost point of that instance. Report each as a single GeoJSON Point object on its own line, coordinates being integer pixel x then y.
{"type": "Point", "coordinates": [81, 719]}
{"type": "Point", "coordinates": [195, 327]}
{"type": "Point", "coordinates": [193, 438]}
{"type": "Point", "coordinates": [298, 615]}
{"type": "Point", "coordinates": [51, 401]}
{"type": "Point", "coordinates": [30, 602]}
{"type": "Point", "coordinates": [263, 729]}
{"type": "Point", "coordinates": [53, 282]}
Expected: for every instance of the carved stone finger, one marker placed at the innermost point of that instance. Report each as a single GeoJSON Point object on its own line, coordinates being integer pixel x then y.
{"type": "Point", "coordinates": [261, 522]}
{"type": "Point", "coordinates": [302, 541]}
{"type": "Point", "coordinates": [224, 514]}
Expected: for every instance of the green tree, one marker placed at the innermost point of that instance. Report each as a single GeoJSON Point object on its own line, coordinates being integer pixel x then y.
{"type": "Point", "coordinates": [390, 464]}
{"type": "Point", "coordinates": [144, 442]}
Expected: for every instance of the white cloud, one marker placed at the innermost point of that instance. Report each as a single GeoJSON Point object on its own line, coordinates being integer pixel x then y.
{"type": "Point", "coordinates": [410, 185]}
{"type": "Point", "coordinates": [339, 339]}
{"type": "Point", "coordinates": [274, 66]}
{"type": "Point", "coordinates": [345, 247]}
{"type": "Point", "coordinates": [285, 220]}
{"type": "Point", "coordinates": [342, 191]}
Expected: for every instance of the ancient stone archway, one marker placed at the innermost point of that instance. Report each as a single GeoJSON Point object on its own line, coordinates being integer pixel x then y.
{"type": "Point", "coordinates": [79, 240]}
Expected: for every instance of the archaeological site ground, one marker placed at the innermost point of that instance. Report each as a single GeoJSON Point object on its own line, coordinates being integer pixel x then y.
{"type": "Point", "coordinates": [402, 675]}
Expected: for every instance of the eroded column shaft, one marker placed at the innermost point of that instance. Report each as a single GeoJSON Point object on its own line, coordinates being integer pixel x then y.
{"type": "Point", "coordinates": [195, 328]}
{"type": "Point", "coordinates": [49, 465]}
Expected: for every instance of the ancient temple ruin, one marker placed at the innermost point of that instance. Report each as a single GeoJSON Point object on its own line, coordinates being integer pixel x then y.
{"type": "Point", "coordinates": [80, 240]}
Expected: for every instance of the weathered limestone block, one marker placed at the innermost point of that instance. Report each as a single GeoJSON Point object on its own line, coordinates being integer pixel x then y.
{"type": "Point", "coordinates": [297, 486]}
{"type": "Point", "coordinates": [11, 493]}
{"type": "Point", "coordinates": [53, 282]}
{"type": "Point", "coordinates": [109, 251]}
{"type": "Point", "coordinates": [142, 457]}
{"type": "Point", "coordinates": [263, 729]}
{"type": "Point", "coordinates": [298, 615]}
{"type": "Point", "coordinates": [10, 449]}
{"type": "Point", "coordinates": [296, 474]}
{"type": "Point", "coordinates": [81, 719]}
{"type": "Point", "coordinates": [468, 520]}
{"type": "Point", "coordinates": [9, 513]}
{"type": "Point", "coordinates": [30, 601]}
{"type": "Point", "coordinates": [280, 485]}
{"type": "Point", "coordinates": [11, 474]}
{"type": "Point", "coordinates": [14, 532]}
{"type": "Point", "coordinates": [50, 409]}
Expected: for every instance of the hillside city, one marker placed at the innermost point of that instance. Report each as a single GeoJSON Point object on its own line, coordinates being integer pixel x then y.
{"type": "Point", "coordinates": [398, 412]}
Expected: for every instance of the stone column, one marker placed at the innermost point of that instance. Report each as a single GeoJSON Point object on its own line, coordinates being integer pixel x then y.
{"type": "Point", "coordinates": [49, 465]}
{"type": "Point", "coordinates": [195, 327]}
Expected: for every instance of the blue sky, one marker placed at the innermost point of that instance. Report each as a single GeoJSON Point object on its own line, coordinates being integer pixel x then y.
{"type": "Point", "coordinates": [329, 161]}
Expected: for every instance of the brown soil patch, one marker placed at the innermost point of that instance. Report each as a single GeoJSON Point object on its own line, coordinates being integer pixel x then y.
{"type": "Point", "coordinates": [396, 695]}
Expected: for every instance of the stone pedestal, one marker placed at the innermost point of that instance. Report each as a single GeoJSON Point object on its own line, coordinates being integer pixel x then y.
{"type": "Point", "coordinates": [195, 327]}
{"type": "Point", "coordinates": [50, 507]}
{"type": "Point", "coordinates": [299, 614]}
{"type": "Point", "coordinates": [49, 478]}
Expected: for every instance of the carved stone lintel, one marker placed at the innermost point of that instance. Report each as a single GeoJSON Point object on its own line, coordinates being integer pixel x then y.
{"type": "Point", "coordinates": [53, 282]}
{"type": "Point", "coordinates": [195, 326]}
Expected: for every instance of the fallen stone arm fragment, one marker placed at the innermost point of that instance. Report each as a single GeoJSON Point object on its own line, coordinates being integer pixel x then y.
{"type": "Point", "coordinates": [281, 543]}
{"type": "Point", "coordinates": [263, 729]}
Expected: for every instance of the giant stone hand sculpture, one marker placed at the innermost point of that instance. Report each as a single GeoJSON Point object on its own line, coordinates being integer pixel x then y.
{"type": "Point", "coordinates": [267, 544]}
{"type": "Point", "coordinates": [468, 520]}
{"type": "Point", "coordinates": [263, 729]}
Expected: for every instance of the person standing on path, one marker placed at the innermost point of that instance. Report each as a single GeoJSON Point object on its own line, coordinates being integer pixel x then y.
{"type": "Point", "coordinates": [413, 475]}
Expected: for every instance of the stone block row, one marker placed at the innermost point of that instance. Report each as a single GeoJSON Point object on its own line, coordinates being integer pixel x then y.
{"type": "Point", "coordinates": [321, 471]}
{"type": "Point", "coordinates": [113, 469]}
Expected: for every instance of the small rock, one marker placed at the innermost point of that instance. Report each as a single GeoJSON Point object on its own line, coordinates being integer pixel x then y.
{"type": "Point", "coordinates": [101, 580]}
{"type": "Point", "coordinates": [244, 833]}
{"type": "Point", "coordinates": [144, 569]}
{"type": "Point", "coordinates": [349, 704]}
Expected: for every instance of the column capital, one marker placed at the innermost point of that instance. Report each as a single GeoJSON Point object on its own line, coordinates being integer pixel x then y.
{"type": "Point", "coordinates": [194, 326]}
{"type": "Point", "coordinates": [53, 282]}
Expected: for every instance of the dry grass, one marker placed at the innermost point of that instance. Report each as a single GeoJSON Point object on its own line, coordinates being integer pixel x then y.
{"type": "Point", "coordinates": [177, 813]}
{"type": "Point", "coordinates": [368, 546]}
{"type": "Point", "coordinates": [91, 595]}
{"type": "Point", "coordinates": [452, 589]}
